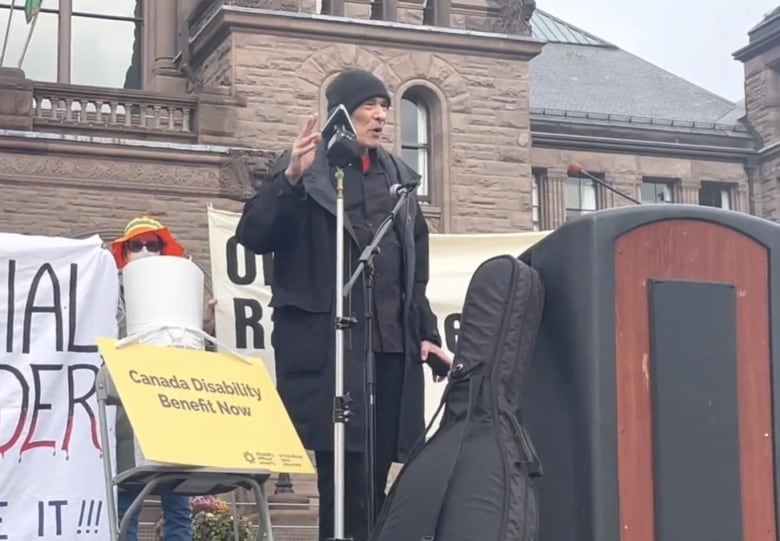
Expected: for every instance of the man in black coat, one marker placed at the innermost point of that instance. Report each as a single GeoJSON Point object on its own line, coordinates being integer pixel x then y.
{"type": "Point", "coordinates": [293, 216]}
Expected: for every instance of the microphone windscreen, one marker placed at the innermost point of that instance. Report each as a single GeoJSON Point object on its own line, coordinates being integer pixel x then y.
{"type": "Point", "coordinates": [574, 169]}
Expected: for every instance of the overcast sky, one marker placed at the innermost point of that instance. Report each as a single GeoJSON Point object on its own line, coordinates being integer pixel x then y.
{"type": "Point", "coordinates": [690, 38]}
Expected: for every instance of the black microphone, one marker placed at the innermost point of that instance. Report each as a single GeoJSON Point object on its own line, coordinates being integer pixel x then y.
{"type": "Point", "coordinates": [340, 138]}
{"type": "Point", "coordinates": [401, 188]}
{"type": "Point", "coordinates": [576, 170]}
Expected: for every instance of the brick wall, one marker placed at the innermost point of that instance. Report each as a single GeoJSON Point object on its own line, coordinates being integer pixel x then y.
{"type": "Point", "coordinates": [762, 102]}
{"type": "Point", "coordinates": [75, 196]}
{"type": "Point", "coordinates": [626, 170]}
{"type": "Point", "coordinates": [481, 174]}
{"type": "Point", "coordinates": [767, 190]}
{"type": "Point", "coordinates": [625, 173]}
{"type": "Point", "coordinates": [757, 94]}
{"type": "Point", "coordinates": [216, 69]}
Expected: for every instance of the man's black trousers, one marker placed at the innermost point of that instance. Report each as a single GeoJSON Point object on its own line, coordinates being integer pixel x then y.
{"type": "Point", "coordinates": [389, 383]}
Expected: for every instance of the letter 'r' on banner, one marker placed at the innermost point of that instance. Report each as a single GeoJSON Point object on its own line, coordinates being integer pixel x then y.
{"type": "Point", "coordinates": [198, 408]}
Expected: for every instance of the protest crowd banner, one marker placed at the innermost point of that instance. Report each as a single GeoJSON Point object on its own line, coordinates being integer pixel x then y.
{"type": "Point", "coordinates": [56, 296]}
{"type": "Point", "coordinates": [243, 317]}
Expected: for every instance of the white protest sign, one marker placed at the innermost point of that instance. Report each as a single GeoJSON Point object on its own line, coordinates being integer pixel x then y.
{"type": "Point", "coordinates": [242, 315]}
{"type": "Point", "coordinates": [56, 296]}
{"type": "Point", "coordinates": [453, 260]}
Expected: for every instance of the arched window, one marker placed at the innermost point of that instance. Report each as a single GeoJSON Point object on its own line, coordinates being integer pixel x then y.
{"type": "Point", "coordinates": [415, 141]}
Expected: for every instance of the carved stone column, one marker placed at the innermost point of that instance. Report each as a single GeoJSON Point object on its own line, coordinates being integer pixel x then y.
{"type": "Point", "coordinates": [162, 20]}
{"type": "Point", "coordinates": [552, 194]}
{"type": "Point", "coordinates": [16, 97]}
{"type": "Point", "coordinates": [688, 192]}
{"type": "Point", "coordinates": [605, 199]}
{"type": "Point", "coordinates": [739, 197]}
{"type": "Point", "coordinates": [753, 188]}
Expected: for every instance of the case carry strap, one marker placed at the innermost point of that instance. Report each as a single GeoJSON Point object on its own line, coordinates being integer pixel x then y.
{"type": "Point", "coordinates": [431, 536]}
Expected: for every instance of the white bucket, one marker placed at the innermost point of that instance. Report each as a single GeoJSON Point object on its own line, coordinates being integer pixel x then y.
{"type": "Point", "coordinates": [163, 298]}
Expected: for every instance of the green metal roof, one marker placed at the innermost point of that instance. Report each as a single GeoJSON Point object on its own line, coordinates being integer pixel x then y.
{"type": "Point", "coordinates": [549, 28]}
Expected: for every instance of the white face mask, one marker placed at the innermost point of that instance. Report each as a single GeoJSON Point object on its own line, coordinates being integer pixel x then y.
{"type": "Point", "coordinates": [144, 253]}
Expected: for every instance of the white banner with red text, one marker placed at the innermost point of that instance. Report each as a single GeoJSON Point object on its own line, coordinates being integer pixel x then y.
{"type": "Point", "coordinates": [56, 296]}
{"type": "Point", "coordinates": [243, 317]}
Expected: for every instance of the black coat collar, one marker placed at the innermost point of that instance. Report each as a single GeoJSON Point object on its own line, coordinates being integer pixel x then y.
{"type": "Point", "coordinates": [322, 189]}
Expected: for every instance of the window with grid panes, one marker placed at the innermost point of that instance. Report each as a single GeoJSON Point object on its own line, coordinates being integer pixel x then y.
{"type": "Point", "coordinates": [84, 42]}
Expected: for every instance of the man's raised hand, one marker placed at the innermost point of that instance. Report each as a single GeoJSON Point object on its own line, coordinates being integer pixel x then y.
{"type": "Point", "coordinates": [303, 150]}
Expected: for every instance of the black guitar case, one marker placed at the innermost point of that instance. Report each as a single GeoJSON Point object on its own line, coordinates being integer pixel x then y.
{"type": "Point", "coordinates": [472, 480]}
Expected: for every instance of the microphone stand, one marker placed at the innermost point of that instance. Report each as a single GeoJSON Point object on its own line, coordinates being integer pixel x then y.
{"type": "Point", "coordinates": [366, 263]}
{"type": "Point", "coordinates": [341, 149]}
{"type": "Point", "coordinates": [340, 402]}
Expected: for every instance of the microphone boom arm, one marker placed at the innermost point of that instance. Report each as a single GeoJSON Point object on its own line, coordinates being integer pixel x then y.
{"type": "Point", "coordinates": [597, 180]}
{"type": "Point", "coordinates": [373, 248]}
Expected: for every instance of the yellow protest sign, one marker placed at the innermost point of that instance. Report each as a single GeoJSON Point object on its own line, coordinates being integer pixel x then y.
{"type": "Point", "coordinates": [204, 409]}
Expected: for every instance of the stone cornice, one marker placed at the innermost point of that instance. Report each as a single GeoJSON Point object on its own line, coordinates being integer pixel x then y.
{"type": "Point", "coordinates": [218, 172]}
{"type": "Point", "coordinates": [227, 19]}
{"type": "Point", "coordinates": [756, 48]}
{"type": "Point", "coordinates": [542, 139]}
{"type": "Point", "coordinates": [619, 121]}
{"type": "Point", "coordinates": [769, 151]}
{"type": "Point", "coordinates": [107, 148]}
{"type": "Point", "coordinates": [653, 140]}
{"type": "Point", "coordinates": [763, 37]}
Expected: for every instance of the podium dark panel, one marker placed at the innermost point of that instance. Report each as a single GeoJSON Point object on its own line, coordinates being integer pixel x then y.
{"type": "Point", "coordinates": [592, 394]}
{"type": "Point", "coordinates": [693, 376]}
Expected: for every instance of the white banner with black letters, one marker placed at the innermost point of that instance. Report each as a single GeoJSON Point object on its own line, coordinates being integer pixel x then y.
{"type": "Point", "coordinates": [242, 315]}
{"type": "Point", "coordinates": [244, 320]}
{"type": "Point", "coordinates": [56, 296]}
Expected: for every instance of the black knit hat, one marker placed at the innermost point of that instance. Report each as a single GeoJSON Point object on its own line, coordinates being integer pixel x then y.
{"type": "Point", "coordinates": [351, 88]}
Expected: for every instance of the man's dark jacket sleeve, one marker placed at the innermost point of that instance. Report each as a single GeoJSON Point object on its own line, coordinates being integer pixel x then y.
{"type": "Point", "coordinates": [269, 217]}
{"type": "Point", "coordinates": [427, 319]}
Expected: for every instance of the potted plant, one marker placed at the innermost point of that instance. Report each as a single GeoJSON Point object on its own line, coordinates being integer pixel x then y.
{"type": "Point", "coordinates": [212, 521]}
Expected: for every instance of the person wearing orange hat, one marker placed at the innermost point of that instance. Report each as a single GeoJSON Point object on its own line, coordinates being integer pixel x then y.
{"type": "Point", "coordinates": [145, 236]}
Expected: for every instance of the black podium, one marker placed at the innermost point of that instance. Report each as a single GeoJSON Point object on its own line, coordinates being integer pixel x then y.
{"type": "Point", "coordinates": [650, 397]}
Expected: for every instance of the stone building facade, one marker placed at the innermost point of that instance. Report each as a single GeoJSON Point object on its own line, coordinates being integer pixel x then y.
{"type": "Point", "coordinates": [474, 88]}
{"type": "Point", "coordinates": [761, 58]}
{"type": "Point", "coordinates": [225, 84]}
{"type": "Point", "coordinates": [491, 103]}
